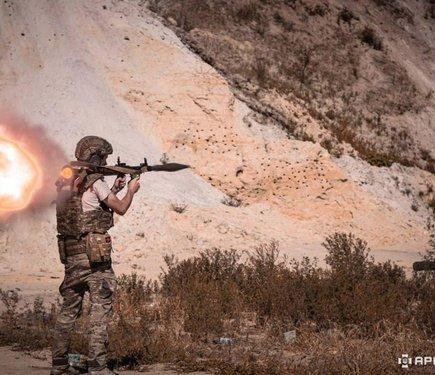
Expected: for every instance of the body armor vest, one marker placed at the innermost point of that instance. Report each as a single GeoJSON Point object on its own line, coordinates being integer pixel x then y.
{"type": "Point", "coordinates": [72, 222]}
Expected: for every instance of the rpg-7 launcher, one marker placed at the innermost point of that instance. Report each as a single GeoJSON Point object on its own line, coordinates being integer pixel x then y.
{"type": "Point", "coordinates": [78, 169]}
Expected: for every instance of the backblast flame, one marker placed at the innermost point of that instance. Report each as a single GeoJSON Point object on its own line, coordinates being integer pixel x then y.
{"type": "Point", "coordinates": [66, 173]}
{"type": "Point", "coordinates": [20, 176]}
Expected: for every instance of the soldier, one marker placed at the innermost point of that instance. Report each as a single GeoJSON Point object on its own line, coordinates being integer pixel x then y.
{"type": "Point", "coordinates": [84, 211]}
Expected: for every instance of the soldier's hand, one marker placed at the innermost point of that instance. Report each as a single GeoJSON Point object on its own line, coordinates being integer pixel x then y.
{"type": "Point", "coordinates": [134, 185]}
{"type": "Point", "coordinates": [119, 184]}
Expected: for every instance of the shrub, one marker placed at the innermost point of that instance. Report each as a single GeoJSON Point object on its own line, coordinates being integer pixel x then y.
{"type": "Point", "coordinates": [287, 25]}
{"type": "Point", "coordinates": [247, 10]}
{"type": "Point", "coordinates": [28, 329]}
{"type": "Point", "coordinates": [353, 314]}
{"type": "Point", "coordinates": [317, 10]}
{"type": "Point", "coordinates": [369, 37]}
{"type": "Point", "coordinates": [346, 16]}
{"type": "Point", "coordinates": [363, 292]}
{"type": "Point", "coordinates": [206, 288]}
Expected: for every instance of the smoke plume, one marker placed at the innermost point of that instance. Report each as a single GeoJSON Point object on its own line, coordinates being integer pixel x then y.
{"type": "Point", "coordinates": [46, 153]}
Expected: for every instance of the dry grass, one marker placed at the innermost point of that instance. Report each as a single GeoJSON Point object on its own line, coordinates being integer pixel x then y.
{"type": "Point", "coordinates": [355, 316]}
{"type": "Point", "coordinates": [29, 328]}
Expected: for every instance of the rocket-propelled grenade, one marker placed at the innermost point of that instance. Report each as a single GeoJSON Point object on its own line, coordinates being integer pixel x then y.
{"type": "Point", "coordinates": [75, 168]}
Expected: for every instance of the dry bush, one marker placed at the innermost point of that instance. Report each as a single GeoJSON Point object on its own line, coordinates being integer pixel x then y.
{"type": "Point", "coordinates": [247, 10]}
{"type": "Point", "coordinates": [206, 288]}
{"type": "Point", "coordinates": [369, 37]}
{"type": "Point", "coordinates": [363, 292]}
{"type": "Point", "coordinates": [136, 332]}
{"type": "Point", "coordinates": [317, 10]}
{"type": "Point", "coordinates": [28, 328]}
{"type": "Point", "coordinates": [355, 316]}
{"type": "Point", "coordinates": [346, 16]}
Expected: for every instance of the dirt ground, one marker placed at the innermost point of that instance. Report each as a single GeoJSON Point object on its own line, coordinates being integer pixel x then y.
{"type": "Point", "coordinates": [24, 363]}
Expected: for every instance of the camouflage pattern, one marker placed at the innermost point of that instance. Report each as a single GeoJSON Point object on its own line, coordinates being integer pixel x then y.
{"type": "Point", "coordinates": [75, 229]}
{"type": "Point", "coordinates": [91, 145]}
{"type": "Point", "coordinates": [99, 280]}
{"type": "Point", "coordinates": [68, 213]}
{"type": "Point", "coordinates": [97, 221]}
{"type": "Point", "coordinates": [72, 221]}
{"type": "Point", "coordinates": [98, 247]}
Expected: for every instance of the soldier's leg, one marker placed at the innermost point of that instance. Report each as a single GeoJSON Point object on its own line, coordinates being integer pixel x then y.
{"type": "Point", "coordinates": [70, 310]}
{"type": "Point", "coordinates": [102, 285]}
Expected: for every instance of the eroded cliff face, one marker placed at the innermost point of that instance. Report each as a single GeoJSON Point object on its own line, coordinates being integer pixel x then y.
{"type": "Point", "coordinates": [114, 70]}
{"type": "Point", "coordinates": [357, 77]}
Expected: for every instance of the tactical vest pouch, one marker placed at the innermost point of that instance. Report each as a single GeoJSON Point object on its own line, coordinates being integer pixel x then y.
{"type": "Point", "coordinates": [62, 251]}
{"type": "Point", "coordinates": [98, 247]}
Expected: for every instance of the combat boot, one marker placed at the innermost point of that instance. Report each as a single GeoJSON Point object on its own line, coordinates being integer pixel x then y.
{"type": "Point", "coordinates": [76, 371]}
{"type": "Point", "coordinates": [59, 366]}
{"type": "Point", "coordinates": [59, 370]}
{"type": "Point", "coordinates": [67, 371]}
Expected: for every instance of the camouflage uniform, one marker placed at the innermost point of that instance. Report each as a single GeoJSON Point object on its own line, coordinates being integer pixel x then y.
{"type": "Point", "coordinates": [100, 282]}
{"type": "Point", "coordinates": [81, 275]}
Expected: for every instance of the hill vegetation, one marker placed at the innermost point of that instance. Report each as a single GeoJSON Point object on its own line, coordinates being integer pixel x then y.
{"type": "Point", "coordinates": [334, 61]}
{"type": "Point", "coordinates": [354, 316]}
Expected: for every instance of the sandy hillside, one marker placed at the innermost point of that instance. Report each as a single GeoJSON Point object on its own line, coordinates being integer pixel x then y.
{"type": "Point", "coordinates": [112, 69]}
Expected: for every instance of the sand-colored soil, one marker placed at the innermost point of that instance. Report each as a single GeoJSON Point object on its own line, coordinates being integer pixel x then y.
{"type": "Point", "coordinates": [77, 68]}
{"type": "Point", "coordinates": [23, 363]}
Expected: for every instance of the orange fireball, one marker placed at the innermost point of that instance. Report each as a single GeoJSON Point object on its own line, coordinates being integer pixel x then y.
{"type": "Point", "coordinates": [20, 176]}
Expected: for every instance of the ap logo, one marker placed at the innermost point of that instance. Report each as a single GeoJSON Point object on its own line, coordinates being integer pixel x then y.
{"type": "Point", "coordinates": [405, 361]}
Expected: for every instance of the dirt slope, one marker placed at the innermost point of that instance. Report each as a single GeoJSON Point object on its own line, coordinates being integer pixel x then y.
{"type": "Point", "coordinates": [112, 69]}
{"type": "Point", "coordinates": [357, 77]}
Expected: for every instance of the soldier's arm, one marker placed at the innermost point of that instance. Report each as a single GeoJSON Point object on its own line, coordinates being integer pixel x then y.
{"type": "Point", "coordinates": [120, 206]}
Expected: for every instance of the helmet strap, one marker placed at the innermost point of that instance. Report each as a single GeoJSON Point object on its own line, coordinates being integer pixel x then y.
{"type": "Point", "coordinates": [95, 159]}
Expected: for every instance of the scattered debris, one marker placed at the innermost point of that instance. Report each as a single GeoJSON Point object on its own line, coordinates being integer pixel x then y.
{"type": "Point", "coordinates": [224, 341]}
{"type": "Point", "coordinates": [179, 207]}
{"type": "Point", "coordinates": [231, 201]}
{"type": "Point", "coordinates": [290, 336]}
{"type": "Point", "coordinates": [78, 362]}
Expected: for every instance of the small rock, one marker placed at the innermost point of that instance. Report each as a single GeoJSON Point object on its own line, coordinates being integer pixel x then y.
{"type": "Point", "coordinates": [172, 21]}
{"type": "Point", "coordinates": [290, 336]}
{"type": "Point", "coordinates": [224, 341]}
{"type": "Point", "coordinates": [143, 368]}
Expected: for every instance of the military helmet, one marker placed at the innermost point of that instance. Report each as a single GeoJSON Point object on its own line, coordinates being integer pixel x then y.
{"type": "Point", "coordinates": [92, 145]}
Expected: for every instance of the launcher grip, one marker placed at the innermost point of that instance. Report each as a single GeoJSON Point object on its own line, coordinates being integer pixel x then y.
{"type": "Point", "coordinates": [134, 175]}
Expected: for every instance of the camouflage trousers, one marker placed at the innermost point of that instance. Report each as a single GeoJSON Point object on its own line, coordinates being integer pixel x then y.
{"type": "Point", "coordinates": [100, 282]}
